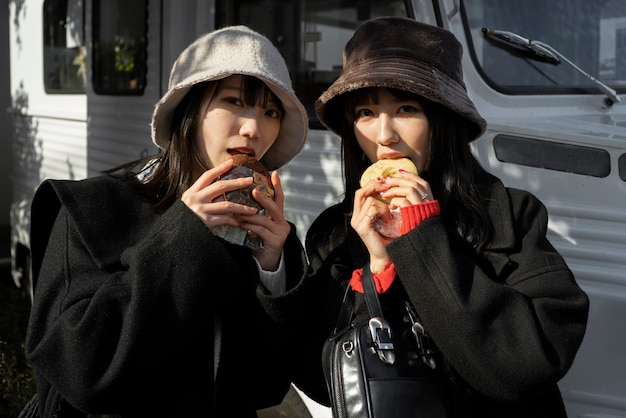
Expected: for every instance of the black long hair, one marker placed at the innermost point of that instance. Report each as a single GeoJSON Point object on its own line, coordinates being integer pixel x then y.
{"type": "Point", "coordinates": [168, 174]}
{"type": "Point", "coordinates": [455, 176]}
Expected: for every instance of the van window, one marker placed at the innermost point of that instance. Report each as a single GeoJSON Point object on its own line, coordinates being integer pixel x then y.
{"type": "Point", "coordinates": [64, 53]}
{"type": "Point", "coordinates": [119, 46]}
{"type": "Point", "coordinates": [309, 34]}
{"type": "Point", "coordinates": [590, 33]}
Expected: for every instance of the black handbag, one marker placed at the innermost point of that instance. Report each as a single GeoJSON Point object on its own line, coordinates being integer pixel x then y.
{"type": "Point", "coordinates": [377, 369]}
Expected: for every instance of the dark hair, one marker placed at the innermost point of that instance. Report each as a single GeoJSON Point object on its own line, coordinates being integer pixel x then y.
{"type": "Point", "coordinates": [456, 178]}
{"type": "Point", "coordinates": [169, 173]}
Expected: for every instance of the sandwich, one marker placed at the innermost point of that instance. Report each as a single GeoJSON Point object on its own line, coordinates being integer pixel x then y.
{"type": "Point", "coordinates": [245, 165]}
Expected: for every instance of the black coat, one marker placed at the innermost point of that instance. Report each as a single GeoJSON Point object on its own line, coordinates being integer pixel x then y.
{"type": "Point", "coordinates": [125, 304]}
{"type": "Point", "coordinates": [508, 320]}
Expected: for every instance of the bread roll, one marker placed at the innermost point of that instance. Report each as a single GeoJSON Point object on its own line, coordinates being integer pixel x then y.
{"type": "Point", "coordinates": [387, 168]}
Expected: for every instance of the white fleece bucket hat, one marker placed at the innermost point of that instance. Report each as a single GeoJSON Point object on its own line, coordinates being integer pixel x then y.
{"type": "Point", "coordinates": [220, 54]}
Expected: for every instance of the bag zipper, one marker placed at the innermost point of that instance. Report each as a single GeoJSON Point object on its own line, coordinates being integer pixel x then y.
{"type": "Point", "coordinates": [336, 374]}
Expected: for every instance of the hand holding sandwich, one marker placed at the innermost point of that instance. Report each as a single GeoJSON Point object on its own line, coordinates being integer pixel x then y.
{"type": "Point", "coordinates": [237, 203]}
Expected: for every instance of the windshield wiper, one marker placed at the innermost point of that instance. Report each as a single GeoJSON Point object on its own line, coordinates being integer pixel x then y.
{"type": "Point", "coordinates": [551, 55]}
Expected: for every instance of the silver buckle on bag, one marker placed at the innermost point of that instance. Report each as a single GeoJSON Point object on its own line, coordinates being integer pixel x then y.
{"type": "Point", "coordinates": [423, 345]}
{"type": "Point", "coordinates": [380, 331]}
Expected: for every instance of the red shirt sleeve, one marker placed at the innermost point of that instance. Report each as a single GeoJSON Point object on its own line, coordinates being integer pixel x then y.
{"type": "Point", "coordinates": [382, 280]}
{"type": "Point", "coordinates": [416, 214]}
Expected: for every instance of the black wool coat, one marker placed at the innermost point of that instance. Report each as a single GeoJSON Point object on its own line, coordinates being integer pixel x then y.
{"type": "Point", "coordinates": [508, 320]}
{"type": "Point", "coordinates": [126, 302]}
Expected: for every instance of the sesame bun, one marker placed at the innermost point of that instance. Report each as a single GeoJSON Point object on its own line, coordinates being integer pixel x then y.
{"type": "Point", "coordinates": [387, 168]}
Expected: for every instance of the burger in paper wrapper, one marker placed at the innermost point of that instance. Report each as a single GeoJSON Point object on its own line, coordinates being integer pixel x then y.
{"type": "Point", "coordinates": [245, 166]}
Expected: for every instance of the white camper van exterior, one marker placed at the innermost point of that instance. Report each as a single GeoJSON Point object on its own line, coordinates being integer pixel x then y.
{"type": "Point", "coordinates": [85, 75]}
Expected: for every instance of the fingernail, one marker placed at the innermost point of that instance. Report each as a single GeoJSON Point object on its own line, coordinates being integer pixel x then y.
{"type": "Point", "coordinates": [401, 170]}
{"type": "Point", "coordinates": [379, 178]}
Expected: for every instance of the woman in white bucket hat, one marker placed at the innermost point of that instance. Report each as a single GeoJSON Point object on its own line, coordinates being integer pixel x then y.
{"type": "Point", "coordinates": [139, 309]}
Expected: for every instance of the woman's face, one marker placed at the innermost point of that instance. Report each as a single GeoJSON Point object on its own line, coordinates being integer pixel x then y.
{"type": "Point", "coordinates": [392, 128]}
{"type": "Point", "coordinates": [230, 126]}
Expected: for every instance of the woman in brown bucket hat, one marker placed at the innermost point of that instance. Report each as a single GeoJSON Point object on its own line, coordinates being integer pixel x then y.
{"type": "Point", "coordinates": [139, 309]}
{"type": "Point", "coordinates": [498, 301]}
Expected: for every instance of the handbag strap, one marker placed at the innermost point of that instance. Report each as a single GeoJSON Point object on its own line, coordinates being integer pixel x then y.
{"type": "Point", "coordinates": [380, 330]}
{"type": "Point", "coordinates": [345, 313]}
{"type": "Point", "coordinates": [371, 295]}
{"type": "Point", "coordinates": [371, 300]}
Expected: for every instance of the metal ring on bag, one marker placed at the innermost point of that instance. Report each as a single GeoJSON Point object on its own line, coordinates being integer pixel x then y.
{"type": "Point", "coordinates": [347, 347]}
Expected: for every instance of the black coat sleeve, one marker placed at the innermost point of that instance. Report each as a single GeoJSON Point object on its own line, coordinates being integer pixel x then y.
{"type": "Point", "coordinates": [509, 319]}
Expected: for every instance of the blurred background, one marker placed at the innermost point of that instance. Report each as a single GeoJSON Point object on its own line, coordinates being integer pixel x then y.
{"type": "Point", "coordinates": [16, 376]}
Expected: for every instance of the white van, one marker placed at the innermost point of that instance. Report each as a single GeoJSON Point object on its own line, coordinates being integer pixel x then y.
{"type": "Point", "coordinates": [546, 75]}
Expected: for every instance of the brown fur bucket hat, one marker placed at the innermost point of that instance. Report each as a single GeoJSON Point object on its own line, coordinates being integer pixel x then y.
{"type": "Point", "coordinates": [401, 53]}
{"type": "Point", "coordinates": [220, 54]}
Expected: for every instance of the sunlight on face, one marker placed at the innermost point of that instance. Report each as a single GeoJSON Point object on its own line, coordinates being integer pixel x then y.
{"type": "Point", "coordinates": [386, 126]}
{"type": "Point", "coordinates": [230, 125]}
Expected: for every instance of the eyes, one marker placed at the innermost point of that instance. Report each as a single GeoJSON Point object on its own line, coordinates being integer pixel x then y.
{"type": "Point", "coordinates": [272, 111]}
{"type": "Point", "coordinates": [403, 109]}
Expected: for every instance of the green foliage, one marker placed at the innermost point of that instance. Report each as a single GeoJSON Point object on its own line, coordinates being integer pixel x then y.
{"type": "Point", "coordinates": [17, 381]}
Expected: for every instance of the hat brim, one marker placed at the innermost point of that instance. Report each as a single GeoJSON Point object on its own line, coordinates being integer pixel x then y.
{"type": "Point", "coordinates": [403, 74]}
